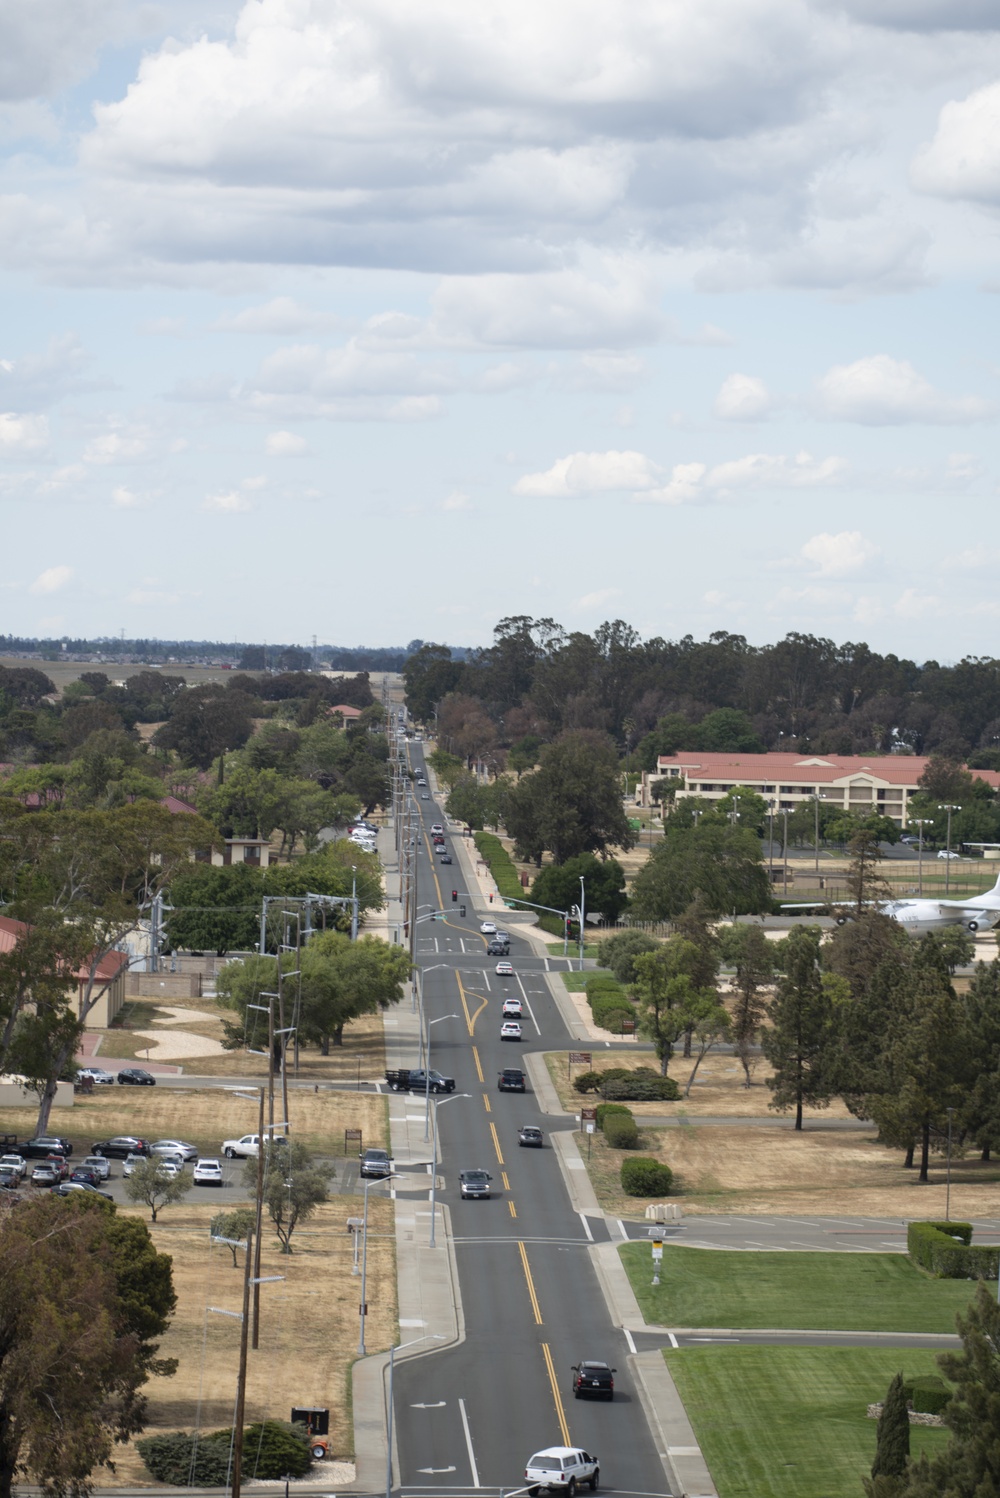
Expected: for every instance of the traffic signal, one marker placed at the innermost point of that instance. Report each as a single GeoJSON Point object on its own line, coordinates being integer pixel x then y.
{"type": "Point", "coordinates": [454, 896]}
{"type": "Point", "coordinates": [491, 899]}
{"type": "Point", "coordinates": [461, 910]}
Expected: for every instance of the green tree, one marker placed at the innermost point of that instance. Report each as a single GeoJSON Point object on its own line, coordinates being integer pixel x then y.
{"type": "Point", "coordinates": [430, 674]}
{"type": "Point", "coordinates": [798, 1042]}
{"type": "Point", "coordinates": [980, 1116]}
{"type": "Point", "coordinates": [668, 998]}
{"type": "Point", "coordinates": [75, 1323]}
{"type": "Point", "coordinates": [294, 1186]}
{"type": "Point", "coordinates": [722, 862]}
{"type": "Point", "coordinates": [342, 980]}
{"type": "Point", "coordinates": [235, 1226]}
{"type": "Point", "coordinates": [618, 953]}
{"type": "Point", "coordinates": [558, 886]}
{"type": "Point", "coordinates": [205, 722]}
{"type": "Point", "coordinates": [572, 803]}
{"type": "Point", "coordinates": [892, 1444]}
{"type": "Point", "coordinates": [752, 953]}
{"type": "Point", "coordinates": [706, 1024]}
{"type": "Point", "coordinates": [152, 1185]}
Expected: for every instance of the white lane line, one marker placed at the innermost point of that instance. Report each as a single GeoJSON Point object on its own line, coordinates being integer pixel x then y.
{"type": "Point", "coordinates": [628, 1339]}
{"type": "Point", "coordinates": [437, 949]}
{"type": "Point", "coordinates": [546, 964]}
{"type": "Point", "coordinates": [622, 1229]}
{"type": "Point", "coordinates": [468, 1444]}
{"type": "Point", "coordinates": [586, 1226]}
{"type": "Point", "coordinates": [673, 1340]}
{"type": "Point", "coordinates": [527, 1005]}
{"type": "Point", "coordinates": [486, 980]}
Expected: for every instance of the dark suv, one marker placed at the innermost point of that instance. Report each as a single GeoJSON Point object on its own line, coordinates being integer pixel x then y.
{"type": "Point", "coordinates": [512, 1080]}
{"type": "Point", "coordinates": [498, 948]}
{"type": "Point", "coordinates": [593, 1380]}
{"type": "Point", "coordinates": [42, 1145]}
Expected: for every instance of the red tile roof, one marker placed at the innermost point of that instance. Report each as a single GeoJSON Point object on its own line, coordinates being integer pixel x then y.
{"type": "Point", "coordinates": [108, 968]}
{"type": "Point", "coordinates": [175, 804]}
{"type": "Point", "coordinates": [824, 769]}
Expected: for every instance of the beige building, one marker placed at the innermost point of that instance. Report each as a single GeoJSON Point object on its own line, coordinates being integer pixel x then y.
{"type": "Point", "coordinates": [881, 784]}
{"type": "Point", "coordinates": [109, 979]}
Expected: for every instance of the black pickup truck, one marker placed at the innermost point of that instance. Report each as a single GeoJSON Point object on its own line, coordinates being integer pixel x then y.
{"type": "Point", "coordinates": [414, 1080]}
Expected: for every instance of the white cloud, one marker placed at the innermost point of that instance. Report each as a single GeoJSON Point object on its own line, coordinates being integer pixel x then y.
{"type": "Point", "coordinates": [590, 473]}
{"type": "Point", "coordinates": [284, 445]}
{"type": "Point", "coordinates": [913, 605]}
{"type": "Point", "coordinates": [47, 47]}
{"type": "Point", "coordinates": [127, 444]}
{"type": "Point", "coordinates": [882, 391]}
{"type": "Point", "coordinates": [52, 579]}
{"type": "Point", "coordinates": [124, 498]}
{"type": "Point", "coordinates": [776, 471]}
{"type": "Point", "coordinates": [838, 555]}
{"type": "Point", "coordinates": [282, 316]}
{"type": "Point", "coordinates": [456, 501]}
{"type": "Point", "coordinates": [598, 599]}
{"type": "Point", "coordinates": [925, 15]}
{"type": "Point", "coordinates": [963, 159]}
{"type": "Point", "coordinates": [742, 398]}
{"type": "Point", "coordinates": [685, 486]}
{"type": "Point", "coordinates": [231, 502]}
{"type": "Point", "coordinates": [22, 434]}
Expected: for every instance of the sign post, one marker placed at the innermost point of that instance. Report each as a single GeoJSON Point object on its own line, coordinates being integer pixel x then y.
{"type": "Point", "coordinates": [657, 1259]}
{"type": "Point", "coordinates": [578, 1058]}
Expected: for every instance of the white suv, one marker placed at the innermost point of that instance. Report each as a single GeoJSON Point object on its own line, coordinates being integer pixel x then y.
{"type": "Point", "coordinates": [561, 1467]}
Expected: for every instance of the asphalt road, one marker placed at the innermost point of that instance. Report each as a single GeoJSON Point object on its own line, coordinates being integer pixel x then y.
{"type": "Point", "coordinates": [467, 1419]}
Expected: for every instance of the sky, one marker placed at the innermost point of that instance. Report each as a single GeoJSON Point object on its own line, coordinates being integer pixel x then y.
{"type": "Point", "coordinates": [377, 321]}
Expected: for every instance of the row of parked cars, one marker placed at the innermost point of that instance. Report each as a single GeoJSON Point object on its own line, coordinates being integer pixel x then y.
{"type": "Point", "coordinates": [51, 1168]}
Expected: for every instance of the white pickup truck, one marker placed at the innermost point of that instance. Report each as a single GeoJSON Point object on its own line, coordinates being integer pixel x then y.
{"type": "Point", "coordinates": [561, 1469]}
{"type": "Point", "coordinates": [246, 1148]}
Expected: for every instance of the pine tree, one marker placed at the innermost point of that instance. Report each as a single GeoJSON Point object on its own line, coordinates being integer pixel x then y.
{"type": "Point", "coordinates": [798, 1044]}
{"type": "Point", "coordinates": [892, 1443]}
{"type": "Point", "coordinates": [754, 966]}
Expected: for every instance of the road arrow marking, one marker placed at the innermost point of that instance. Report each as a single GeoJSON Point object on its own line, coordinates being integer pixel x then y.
{"type": "Point", "coordinates": [431, 1471]}
{"type": "Point", "coordinates": [439, 1406]}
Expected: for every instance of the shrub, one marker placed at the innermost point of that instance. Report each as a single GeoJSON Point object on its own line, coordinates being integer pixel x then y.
{"type": "Point", "coordinates": [927, 1394]}
{"type": "Point", "coordinates": [273, 1448]}
{"type": "Point", "coordinates": [619, 953]}
{"type": "Point", "coordinates": [601, 983]}
{"type": "Point", "coordinates": [169, 1459]}
{"type": "Point", "coordinates": [604, 1109]}
{"type": "Point", "coordinates": [498, 861]}
{"type": "Point", "coordinates": [637, 1089]}
{"type": "Point", "coordinates": [587, 1081]}
{"type": "Point", "coordinates": [643, 1176]}
{"type": "Point", "coordinates": [609, 1010]}
{"type": "Point", "coordinates": [944, 1249]}
{"type": "Point", "coordinates": [621, 1133]}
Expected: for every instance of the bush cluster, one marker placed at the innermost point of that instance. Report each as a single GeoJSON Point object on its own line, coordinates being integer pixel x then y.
{"type": "Point", "coordinates": [498, 861]}
{"type": "Point", "coordinates": [643, 1176]}
{"type": "Point", "coordinates": [641, 1087]}
{"type": "Point", "coordinates": [603, 1109]}
{"type": "Point", "coordinates": [621, 1131]}
{"type": "Point", "coordinates": [927, 1394]}
{"type": "Point", "coordinates": [609, 1003]}
{"type": "Point", "coordinates": [271, 1449]}
{"type": "Point", "coordinates": [945, 1249]}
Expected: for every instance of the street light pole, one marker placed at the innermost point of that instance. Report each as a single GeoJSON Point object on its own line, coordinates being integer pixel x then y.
{"type": "Point", "coordinates": [583, 916]}
{"type": "Point", "coordinates": [427, 1071]}
{"type": "Point", "coordinates": [921, 824]}
{"type": "Point", "coordinates": [947, 865]}
{"type": "Point", "coordinates": [363, 1308]}
{"type": "Point", "coordinates": [434, 1158]}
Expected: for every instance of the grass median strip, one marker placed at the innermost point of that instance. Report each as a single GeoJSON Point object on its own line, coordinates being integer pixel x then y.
{"type": "Point", "coordinates": [793, 1291]}
{"type": "Point", "coordinates": [790, 1422]}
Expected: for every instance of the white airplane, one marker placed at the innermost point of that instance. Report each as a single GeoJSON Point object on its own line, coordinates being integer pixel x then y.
{"type": "Point", "coordinates": [978, 913]}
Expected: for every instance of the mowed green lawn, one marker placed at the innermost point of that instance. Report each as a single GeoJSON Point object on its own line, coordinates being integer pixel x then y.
{"type": "Point", "coordinates": [804, 1291]}
{"type": "Point", "coordinates": [789, 1422]}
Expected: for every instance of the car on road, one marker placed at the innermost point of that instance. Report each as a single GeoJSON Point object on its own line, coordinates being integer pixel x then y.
{"type": "Point", "coordinates": [16, 1163]}
{"type": "Point", "coordinates": [174, 1147]}
{"type": "Point", "coordinates": [593, 1379]}
{"type": "Point", "coordinates": [69, 1188]}
{"type": "Point", "coordinates": [436, 827]}
{"type": "Point", "coordinates": [474, 1183]}
{"type": "Point", "coordinates": [530, 1136]}
{"type": "Point", "coordinates": [944, 853]}
{"type": "Point", "coordinates": [97, 1075]}
{"type": "Point", "coordinates": [421, 780]}
{"type": "Point", "coordinates": [512, 1008]}
{"type": "Point", "coordinates": [98, 1164]}
{"type": "Point", "coordinates": [441, 849]}
{"type": "Point", "coordinates": [120, 1146]}
{"type": "Point", "coordinates": [425, 795]}
{"type": "Point", "coordinates": [497, 948]}
{"type": "Point", "coordinates": [445, 857]}
{"type": "Point", "coordinates": [510, 1030]}
{"type": "Point", "coordinates": [207, 1173]}
{"type": "Point", "coordinates": [512, 1080]}
{"type": "Point", "coordinates": [503, 936]}
{"type": "Point", "coordinates": [44, 1144]}
{"type": "Point", "coordinates": [375, 1163]}
{"type": "Point", "coordinates": [505, 970]}
{"type": "Point", "coordinates": [134, 1076]}
{"type": "Point", "coordinates": [487, 928]}
{"type": "Point", "coordinates": [563, 1469]}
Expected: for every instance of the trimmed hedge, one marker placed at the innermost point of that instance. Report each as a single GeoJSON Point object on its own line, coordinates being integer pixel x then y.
{"type": "Point", "coordinates": [643, 1176]}
{"type": "Point", "coordinates": [621, 1133]}
{"type": "Point", "coordinates": [640, 1086]}
{"type": "Point", "coordinates": [609, 1011]}
{"type": "Point", "coordinates": [602, 1111]}
{"type": "Point", "coordinates": [498, 861]}
{"type": "Point", "coordinates": [944, 1249]}
{"type": "Point", "coordinates": [169, 1458]}
{"type": "Point", "coordinates": [588, 1081]}
{"type": "Point", "coordinates": [927, 1394]}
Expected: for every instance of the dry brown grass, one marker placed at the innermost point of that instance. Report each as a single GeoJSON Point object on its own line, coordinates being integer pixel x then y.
{"type": "Point", "coordinates": [206, 1117]}
{"type": "Point", "coordinates": [819, 1172]}
{"type": "Point", "coordinates": [309, 1325]}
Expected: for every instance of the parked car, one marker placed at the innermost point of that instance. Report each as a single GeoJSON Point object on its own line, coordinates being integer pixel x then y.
{"type": "Point", "coordinates": [474, 1183]}
{"type": "Point", "coordinates": [131, 1161]}
{"type": "Point", "coordinates": [69, 1188]}
{"type": "Point", "coordinates": [99, 1165]}
{"type": "Point", "coordinates": [247, 1146]}
{"type": "Point", "coordinates": [207, 1173]}
{"type": "Point", "coordinates": [512, 1008]}
{"type": "Point", "coordinates": [505, 970]}
{"type": "Point", "coordinates": [169, 1168]}
{"type": "Point", "coordinates": [944, 853]}
{"type": "Point", "coordinates": [9, 1179]}
{"type": "Point", "coordinates": [510, 1030]}
{"type": "Point", "coordinates": [88, 1177]}
{"type": "Point", "coordinates": [134, 1076]}
{"type": "Point", "coordinates": [17, 1163]}
{"type": "Point", "coordinates": [375, 1163]}
{"type": "Point", "coordinates": [174, 1147]}
{"type": "Point", "coordinates": [561, 1467]}
{"type": "Point", "coordinates": [530, 1136]}
{"type": "Point", "coordinates": [120, 1146]}
{"type": "Point", "coordinates": [593, 1380]}
{"type": "Point", "coordinates": [98, 1075]}
{"type": "Point", "coordinates": [512, 1080]}
{"type": "Point", "coordinates": [44, 1144]}
{"type": "Point", "coordinates": [46, 1173]}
